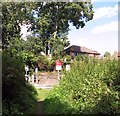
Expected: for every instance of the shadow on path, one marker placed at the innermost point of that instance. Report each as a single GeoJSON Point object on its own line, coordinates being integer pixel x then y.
{"type": "Point", "coordinates": [39, 108]}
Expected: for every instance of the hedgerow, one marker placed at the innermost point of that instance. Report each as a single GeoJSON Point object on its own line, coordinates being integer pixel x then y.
{"type": "Point", "coordinates": [18, 97]}
{"type": "Point", "coordinates": [92, 86]}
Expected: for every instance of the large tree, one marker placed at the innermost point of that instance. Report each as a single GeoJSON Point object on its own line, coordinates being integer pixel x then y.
{"type": "Point", "coordinates": [107, 54]}
{"type": "Point", "coordinates": [18, 96]}
{"type": "Point", "coordinates": [53, 19]}
{"type": "Point", "coordinates": [14, 14]}
{"type": "Point", "coordinates": [48, 20]}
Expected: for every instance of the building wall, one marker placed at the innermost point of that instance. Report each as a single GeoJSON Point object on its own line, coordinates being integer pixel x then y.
{"type": "Point", "coordinates": [91, 55]}
{"type": "Point", "coordinates": [73, 54]}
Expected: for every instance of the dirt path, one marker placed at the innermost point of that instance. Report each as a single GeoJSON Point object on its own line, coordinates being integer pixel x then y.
{"type": "Point", "coordinates": [44, 81]}
{"type": "Point", "coordinates": [39, 108]}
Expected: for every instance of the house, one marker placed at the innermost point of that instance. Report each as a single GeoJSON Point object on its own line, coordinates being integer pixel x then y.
{"type": "Point", "coordinates": [116, 54]}
{"type": "Point", "coordinates": [76, 50]}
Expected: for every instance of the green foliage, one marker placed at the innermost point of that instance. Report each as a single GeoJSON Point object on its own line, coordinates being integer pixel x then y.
{"type": "Point", "coordinates": [58, 44]}
{"type": "Point", "coordinates": [67, 59]}
{"type": "Point", "coordinates": [27, 50]}
{"type": "Point", "coordinates": [88, 88]}
{"type": "Point", "coordinates": [53, 16]}
{"type": "Point", "coordinates": [82, 57]}
{"type": "Point", "coordinates": [43, 93]}
{"type": "Point", "coordinates": [49, 21]}
{"type": "Point", "coordinates": [53, 23]}
{"type": "Point", "coordinates": [14, 14]}
{"type": "Point", "coordinates": [34, 45]}
{"type": "Point", "coordinates": [107, 54]}
{"type": "Point", "coordinates": [45, 64]}
{"type": "Point", "coordinates": [18, 97]}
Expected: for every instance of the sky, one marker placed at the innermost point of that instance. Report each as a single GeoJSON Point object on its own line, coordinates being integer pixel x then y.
{"type": "Point", "coordinates": [101, 33]}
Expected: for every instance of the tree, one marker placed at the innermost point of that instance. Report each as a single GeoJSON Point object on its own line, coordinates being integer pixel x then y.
{"type": "Point", "coordinates": [52, 24]}
{"type": "Point", "coordinates": [47, 19]}
{"type": "Point", "coordinates": [54, 18]}
{"type": "Point", "coordinates": [57, 15]}
{"type": "Point", "coordinates": [18, 96]}
{"type": "Point", "coordinates": [107, 54]}
{"type": "Point", "coordinates": [13, 14]}
{"type": "Point", "coordinates": [58, 44]}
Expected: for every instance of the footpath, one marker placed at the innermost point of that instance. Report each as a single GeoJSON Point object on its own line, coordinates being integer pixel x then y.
{"type": "Point", "coordinates": [39, 108]}
{"type": "Point", "coordinates": [45, 81]}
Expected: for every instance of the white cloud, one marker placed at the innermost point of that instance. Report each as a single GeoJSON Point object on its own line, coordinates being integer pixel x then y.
{"type": "Point", "coordinates": [113, 26]}
{"type": "Point", "coordinates": [105, 12]}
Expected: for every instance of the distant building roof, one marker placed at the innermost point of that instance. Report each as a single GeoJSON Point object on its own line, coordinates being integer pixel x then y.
{"type": "Point", "coordinates": [81, 49]}
{"type": "Point", "coordinates": [116, 54]}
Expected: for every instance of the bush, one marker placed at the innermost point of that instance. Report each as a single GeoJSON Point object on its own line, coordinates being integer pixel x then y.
{"type": "Point", "coordinates": [67, 59]}
{"type": "Point", "coordinates": [18, 96]}
{"type": "Point", "coordinates": [44, 64]}
{"type": "Point", "coordinates": [82, 58]}
{"type": "Point", "coordinates": [88, 88]}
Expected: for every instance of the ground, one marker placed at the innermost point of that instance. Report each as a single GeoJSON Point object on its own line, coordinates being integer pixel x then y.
{"type": "Point", "coordinates": [46, 81]}
{"type": "Point", "coordinates": [39, 108]}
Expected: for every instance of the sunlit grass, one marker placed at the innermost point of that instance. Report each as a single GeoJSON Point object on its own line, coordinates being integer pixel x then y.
{"type": "Point", "coordinates": [43, 93]}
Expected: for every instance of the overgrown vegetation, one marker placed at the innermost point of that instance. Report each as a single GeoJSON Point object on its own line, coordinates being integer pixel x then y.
{"type": "Point", "coordinates": [43, 93]}
{"type": "Point", "coordinates": [18, 97]}
{"type": "Point", "coordinates": [92, 86]}
{"type": "Point", "coordinates": [49, 27]}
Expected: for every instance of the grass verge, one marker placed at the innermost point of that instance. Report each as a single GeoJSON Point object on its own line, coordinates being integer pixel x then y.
{"type": "Point", "coordinates": [42, 94]}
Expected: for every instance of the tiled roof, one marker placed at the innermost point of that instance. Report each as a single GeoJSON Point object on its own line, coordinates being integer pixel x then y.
{"type": "Point", "coordinates": [81, 49]}
{"type": "Point", "coordinates": [116, 54]}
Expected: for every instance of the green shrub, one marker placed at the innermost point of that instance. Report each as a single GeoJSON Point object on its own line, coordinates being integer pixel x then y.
{"type": "Point", "coordinates": [18, 97]}
{"type": "Point", "coordinates": [81, 58]}
{"type": "Point", "coordinates": [67, 59]}
{"type": "Point", "coordinates": [44, 64]}
{"type": "Point", "coordinates": [88, 88]}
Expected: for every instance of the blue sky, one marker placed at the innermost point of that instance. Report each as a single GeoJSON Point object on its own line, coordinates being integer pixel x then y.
{"type": "Point", "coordinates": [101, 33]}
